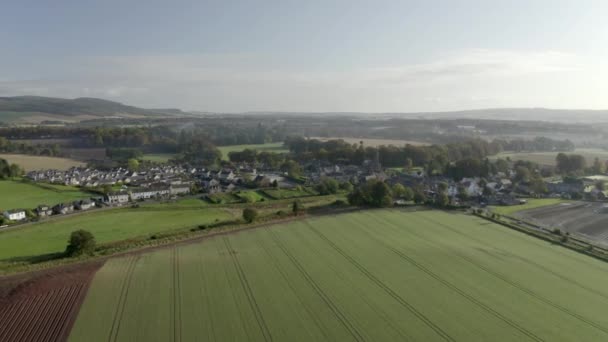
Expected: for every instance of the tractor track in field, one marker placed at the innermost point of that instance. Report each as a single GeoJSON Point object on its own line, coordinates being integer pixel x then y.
{"type": "Point", "coordinates": [524, 260]}
{"type": "Point", "coordinates": [444, 335]}
{"type": "Point", "coordinates": [529, 292]}
{"type": "Point", "coordinates": [122, 300]}
{"type": "Point", "coordinates": [292, 287]}
{"type": "Point", "coordinates": [363, 295]}
{"type": "Point", "coordinates": [248, 292]}
{"type": "Point", "coordinates": [336, 311]}
{"type": "Point", "coordinates": [203, 279]}
{"type": "Point", "coordinates": [453, 287]}
{"type": "Point", "coordinates": [176, 303]}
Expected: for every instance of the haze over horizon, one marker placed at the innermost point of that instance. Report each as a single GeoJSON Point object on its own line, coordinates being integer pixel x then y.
{"type": "Point", "coordinates": [318, 56]}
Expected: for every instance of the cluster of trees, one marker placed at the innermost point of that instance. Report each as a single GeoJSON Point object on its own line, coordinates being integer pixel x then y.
{"type": "Point", "coordinates": [8, 170]}
{"type": "Point", "coordinates": [46, 149]}
{"type": "Point", "coordinates": [252, 156]}
{"type": "Point", "coordinates": [435, 158]}
{"type": "Point", "coordinates": [570, 163]}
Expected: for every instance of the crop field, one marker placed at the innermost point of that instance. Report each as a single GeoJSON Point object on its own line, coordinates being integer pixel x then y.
{"type": "Point", "coordinates": [276, 147]}
{"type": "Point", "coordinates": [548, 158]}
{"type": "Point", "coordinates": [533, 203]}
{"type": "Point", "coordinates": [33, 163]}
{"type": "Point", "coordinates": [583, 218]}
{"type": "Point", "coordinates": [366, 276]}
{"type": "Point", "coordinates": [48, 237]}
{"type": "Point", "coordinates": [27, 196]}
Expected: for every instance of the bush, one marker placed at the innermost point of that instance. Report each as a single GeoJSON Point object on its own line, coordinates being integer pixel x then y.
{"type": "Point", "coordinates": [557, 231]}
{"type": "Point", "coordinates": [281, 213]}
{"type": "Point", "coordinates": [250, 214]}
{"type": "Point", "coordinates": [81, 242]}
{"type": "Point", "coordinates": [203, 226]}
{"type": "Point", "coordinates": [297, 208]}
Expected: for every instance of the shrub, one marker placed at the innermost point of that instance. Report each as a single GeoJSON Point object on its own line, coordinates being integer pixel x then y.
{"type": "Point", "coordinates": [557, 231]}
{"type": "Point", "coordinates": [81, 242]}
{"type": "Point", "coordinates": [250, 214]}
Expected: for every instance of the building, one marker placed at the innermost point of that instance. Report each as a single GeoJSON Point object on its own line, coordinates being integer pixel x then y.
{"type": "Point", "coordinates": [179, 190]}
{"type": "Point", "coordinates": [147, 193]}
{"type": "Point", "coordinates": [44, 210]}
{"type": "Point", "coordinates": [15, 214]}
{"type": "Point", "coordinates": [117, 198]}
{"type": "Point", "coordinates": [84, 205]}
{"type": "Point", "coordinates": [63, 208]}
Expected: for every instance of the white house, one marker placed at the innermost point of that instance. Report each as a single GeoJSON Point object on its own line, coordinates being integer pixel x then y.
{"type": "Point", "coordinates": [15, 214]}
{"type": "Point", "coordinates": [117, 198]}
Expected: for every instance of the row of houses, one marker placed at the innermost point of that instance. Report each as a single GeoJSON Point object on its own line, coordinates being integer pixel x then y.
{"type": "Point", "coordinates": [140, 194]}
{"type": "Point", "coordinates": [44, 210]}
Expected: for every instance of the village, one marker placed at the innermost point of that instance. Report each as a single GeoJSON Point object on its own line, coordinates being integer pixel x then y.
{"type": "Point", "coordinates": [120, 186]}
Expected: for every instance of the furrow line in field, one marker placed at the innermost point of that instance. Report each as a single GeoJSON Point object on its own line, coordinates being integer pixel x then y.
{"type": "Point", "coordinates": [292, 287]}
{"type": "Point", "coordinates": [122, 299]}
{"type": "Point", "coordinates": [176, 297]}
{"type": "Point", "coordinates": [336, 311]}
{"type": "Point", "coordinates": [531, 292]}
{"type": "Point", "coordinates": [65, 300]}
{"type": "Point", "coordinates": [17, 321]}
{"type": "Point", "coordinates": [40, 332]}
{"type": "Point", "coordinates": [444, 335]}
{"type": "Point", "coordinates": [248, 292]}
{"type": "Point", "coordinates": [527, 261]}
{"type": "Point", "coordinates": [455, 288]}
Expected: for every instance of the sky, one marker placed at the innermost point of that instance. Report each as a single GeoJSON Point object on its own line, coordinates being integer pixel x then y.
{"type": "Point", "coordinates": [309, 56]}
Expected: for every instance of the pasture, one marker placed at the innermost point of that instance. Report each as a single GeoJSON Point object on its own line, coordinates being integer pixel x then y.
{"type": "Point", "coordinates": [33, 163]}
{"type": "Point", "coordinates": [48, 237]}
{"type": "Point", "coordinates": [276, 147]}
{"type": "Point", "coordinates": [548, 158]}
{"type": "Point", "coordinates": [381, 275]}
{"type": "Point", "coordinates": [17, 195]}
{"type": "Point", "coordinates": [158, 157]}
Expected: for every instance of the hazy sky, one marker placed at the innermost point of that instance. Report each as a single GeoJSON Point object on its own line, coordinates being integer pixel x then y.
{"type": "Point", "coordinates": [365, 56]}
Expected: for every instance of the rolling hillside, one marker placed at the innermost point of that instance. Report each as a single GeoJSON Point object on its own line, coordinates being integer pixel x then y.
{"type": "Point", "coordinates": [37, 109]}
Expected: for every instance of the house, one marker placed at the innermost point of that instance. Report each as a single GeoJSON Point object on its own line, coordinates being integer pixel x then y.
{"type": "Point", "coordinates": [43, 210]}
{"type": "Point", "coordinates": [63, 208]}
{"type": "Point", "coordinates": [179, 190]}
{"type": "Point", "coordinates": [84, 205]}
{"type": "Point", "coordinates": [117, 198]}
{"type": "Point", "coordinates": [15, 214]}
{"type": "Point", "coordinates": [147, 193]}
{"type": "Point", "coordinates": [226, 175]}
{"type": "Point", "coordinates": [211, 186]}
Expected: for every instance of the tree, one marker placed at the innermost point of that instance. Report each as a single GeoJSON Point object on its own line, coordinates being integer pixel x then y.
{"type": "Point", "coordinates": [598, 167]}
{"type": "Point", "coordinates": [442, 199]}
{"type": "Point", "coordinates": [250, 214]}
{"type": "Point", "coordinates": [292, 168]}
{"type": "Point", "coordinates": [297, 208]}
{"type": "Point", "coordinates": [81, 242]}
{"type": "Point", "coordinates": [398, 190]}
{"type": "Point", "coordinates": [328, 186]}
{"type": "Point", "coordinates": [133, 164]}
{"type": "Point", "coordinates": [462, 193]}
{"type": "Point", "coordinates": [419, 197]}
{"type": "Point", "coordinates": [381, 195]}
{"type": "Point", "coordinates": [346, 186]}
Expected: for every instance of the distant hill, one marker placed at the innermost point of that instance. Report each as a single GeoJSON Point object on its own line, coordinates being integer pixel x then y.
{"type": "Point", "coordinates": [37, 108]}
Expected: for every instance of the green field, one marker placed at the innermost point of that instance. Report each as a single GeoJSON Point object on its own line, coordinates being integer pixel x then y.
{"type": "Point", "coordinates": [15, 195]}
{"type": "Point", "coordinates": [548, 158]}
{"type": "Point", "coordinates": [367, 276]}
{"type": "Point", "coordinates": [289, 193]}
{"type": "Point", "coordinates": [158, 157]}
{"type": "Point", "coordinates": [107, 226]}
{"type": "Point", "coordinates": [533, 203]}
{"type": "Point", "coordinates": [223, 198]}
{"type": "Point", "coordinates": [251, 196]}
{"type": "Point", "coordinates": [270, 147]}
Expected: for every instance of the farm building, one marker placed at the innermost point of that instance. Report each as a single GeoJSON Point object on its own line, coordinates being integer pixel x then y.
{"type": "Point", "coordinates": [15, 214]}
